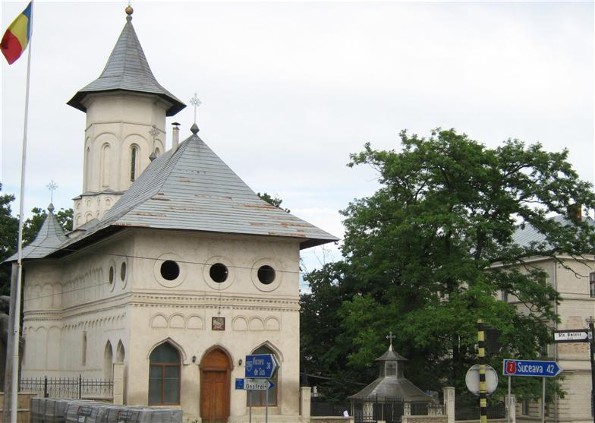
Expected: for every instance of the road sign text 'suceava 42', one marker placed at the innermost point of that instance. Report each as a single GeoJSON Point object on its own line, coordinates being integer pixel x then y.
{"type": "Point", "coordinates": [530, 368]}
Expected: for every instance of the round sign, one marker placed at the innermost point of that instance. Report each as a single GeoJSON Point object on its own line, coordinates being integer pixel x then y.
{"type": "Point", "coordinates": [472, 379]}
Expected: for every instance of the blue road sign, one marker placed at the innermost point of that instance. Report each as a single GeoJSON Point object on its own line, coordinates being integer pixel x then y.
{"type": "Point", "coordinates": [254, 384]}
{"type": "Point", "coordinates": [260, 366]}
{"type": "Point", "coordinates": [530, 368]}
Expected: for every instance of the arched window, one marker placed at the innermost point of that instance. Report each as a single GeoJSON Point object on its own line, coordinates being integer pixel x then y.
{"type": "Point", "coordinates": [108, 361]}
{"type": "Point", "coordinates": [164, 375]}
{"type": "Point", "coordinates": [133, 162]}
{"type": "Point", "coordinates": [120, 353]}
{"type": "Point", "coordinates": [105, 169]}
{"type": "Point", "coordinates": [259, 398]}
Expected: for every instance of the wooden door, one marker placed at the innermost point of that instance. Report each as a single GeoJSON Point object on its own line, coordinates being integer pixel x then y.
{"type": "Point", "coordinates": [215, 387]}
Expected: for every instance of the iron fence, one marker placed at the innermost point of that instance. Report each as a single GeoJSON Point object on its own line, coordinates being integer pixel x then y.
{"type": "Point", "coordinates": [320, 407]}
{"type": "Point", "coordinates": [370, 410]}
{"type": "Point", "coordinates": [68, 387]}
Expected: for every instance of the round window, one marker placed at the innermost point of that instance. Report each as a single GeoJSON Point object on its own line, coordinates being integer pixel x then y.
{"type": "Point", "coordinates": [123, 271]}
{"type": "Point", "coordinates": [170, 270]}
{"type": "Point", "coordinates": [218, 272]}
{"type": "Point", "coordinates": [266, 274]}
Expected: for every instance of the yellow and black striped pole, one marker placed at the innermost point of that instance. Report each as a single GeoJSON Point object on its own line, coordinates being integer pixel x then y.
{"type": "Point", "coordinates": [483, 401]}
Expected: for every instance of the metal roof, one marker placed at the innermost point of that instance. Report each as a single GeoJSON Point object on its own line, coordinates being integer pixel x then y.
{"type": "Point", "coordinates": [393, 385]}
{"type": "Point", "coordinates": [527, 235]}
{"type": "Point", "coordinates": [127, 69]}
{"type": "Point", "coordinates": [192, 189]}
{"type": "Point", "coordinates": [48, 239]}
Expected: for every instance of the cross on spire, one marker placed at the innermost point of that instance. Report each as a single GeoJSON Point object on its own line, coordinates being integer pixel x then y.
{"type": "Point", "coordinates": [52, 186]}
{"type": "Point", "coordinates": [390, 338]}
{"type": "Point", "coordinates": [195, 102]}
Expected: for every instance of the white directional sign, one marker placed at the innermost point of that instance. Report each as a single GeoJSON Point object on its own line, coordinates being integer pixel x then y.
{"type": "Point", "coordinates": [573, 335]}
{"type": "Point", "coordinates": [258, 384]}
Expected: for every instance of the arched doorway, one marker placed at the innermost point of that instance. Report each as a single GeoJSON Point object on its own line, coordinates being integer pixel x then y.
{"type": "Point", "coordinates": [215, 376]}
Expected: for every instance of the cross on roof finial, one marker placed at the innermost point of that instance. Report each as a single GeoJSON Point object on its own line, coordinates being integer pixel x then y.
{"type": "Point", "coordinates": [195, 102]}
{"type": "Point", "coordinates": [52, 186]}
{"type": "Point", "coordinates": [390, 337]}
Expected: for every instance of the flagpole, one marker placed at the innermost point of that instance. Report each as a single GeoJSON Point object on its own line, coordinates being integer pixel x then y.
{"type": "Point", "coordinates": [17, 294]}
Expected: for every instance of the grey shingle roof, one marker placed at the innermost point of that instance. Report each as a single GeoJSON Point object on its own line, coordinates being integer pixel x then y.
{"type": "Point", "coordinates": [50, 237]}
{"type": "Point", "coordinates": [127, 69]}
{"type": "Point", "coordinates": [192, 189]}
{"type": "Point", "coordinates": [392, 386]}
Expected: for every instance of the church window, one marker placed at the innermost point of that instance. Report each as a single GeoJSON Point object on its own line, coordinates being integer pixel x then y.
{"type": "Point", "coordinates": [592, 284]}
{"type": "Point", "coordinates": [266, 274]}
{"type": "Point", "coordinates": [105, 165]}
{"type": "Point", "coordinates": [164, 375]}
{"type": "Point", "coordinates": [84, 349]}
{"type": "Point", "coordinates": [133, 162]}
{"type": "Point", "coordinates": [111, 274]}
{"type": "Point", "coordinates": [170, 270]}
{"type": "Point", "coordinates": [259, 398]}
{"type": "Point", "coordinates": [218, 272]}
{"type": "Point", "coordinates": [108, 361]}
{"type": "Point", "coordinates": [123, 271]}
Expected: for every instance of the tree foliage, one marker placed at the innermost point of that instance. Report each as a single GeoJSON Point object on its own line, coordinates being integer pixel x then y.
{"type": "Point", "coordinates": [420, 255]}
{"type": "Point", "coordinates": [273, 201]}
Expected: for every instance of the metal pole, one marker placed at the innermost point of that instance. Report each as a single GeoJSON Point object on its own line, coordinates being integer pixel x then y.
{"type": "Point", "coordinates": [592, 356]}
{"type": "Point", "coordinates": [483, 401]}
{"type": "Point", "coordinates": [249, 406]}
{"type": "Point", "coordinates": [508, 401]}
{"type": "Point", "coordinates": [543, 400]}
{"type": "Point", "coordinates": [266, 415]}
{"type": "Point", "coordinates": [16, 329]}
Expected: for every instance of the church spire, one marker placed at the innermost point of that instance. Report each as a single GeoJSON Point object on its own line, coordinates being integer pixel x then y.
{"type": "Point", "coordinates": [127, 69]}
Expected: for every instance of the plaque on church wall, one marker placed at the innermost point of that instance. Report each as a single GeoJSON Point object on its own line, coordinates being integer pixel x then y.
{"type": "Point", "coordinates": [218, 323]}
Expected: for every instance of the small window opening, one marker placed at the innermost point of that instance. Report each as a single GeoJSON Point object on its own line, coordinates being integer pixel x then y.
{"type": "Point", "coordinates": [123, 271]}
{"type": "Point", "coordinates": [133, 158]}
{"type": "Point", "coordinates": [170, 270]}
{"type": "Point", "coordinates": [218, 272]}
{"type": "Point", "coordinates": [266, 274]}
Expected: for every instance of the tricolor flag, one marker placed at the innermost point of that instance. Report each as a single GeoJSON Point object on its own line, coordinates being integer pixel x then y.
{"type": "Point", "coordinates": [16, 37]}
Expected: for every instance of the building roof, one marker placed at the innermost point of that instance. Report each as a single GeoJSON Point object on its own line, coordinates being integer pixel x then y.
{"type": "Point", "coordinates": [527, 235]}
{"type": "Point", "coordinates": [48, 239]}
{"type": "Point", "coordinates": [190, 188]}
{"type": "Point", "coordinates": [392, 384]}
{"type": "Point", "coordinates": [127, 69]}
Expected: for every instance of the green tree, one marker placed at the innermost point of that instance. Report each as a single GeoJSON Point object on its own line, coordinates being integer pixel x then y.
{"type": "Point", "coordinates": [273, 201]}
{"type": "Point", "coordinates": [419, 255]}
{"type": "Point", "coordinates": [9, 228]}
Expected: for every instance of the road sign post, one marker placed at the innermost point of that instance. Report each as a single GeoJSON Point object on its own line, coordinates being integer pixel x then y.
{"type": "Point", "coordinates": [534, 368]}
{"type": "Point", "coordinates": [259, 369]}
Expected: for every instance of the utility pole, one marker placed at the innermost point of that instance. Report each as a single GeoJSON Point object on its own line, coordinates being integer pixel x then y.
{"type": "Point", "coordinates": [590, 321]}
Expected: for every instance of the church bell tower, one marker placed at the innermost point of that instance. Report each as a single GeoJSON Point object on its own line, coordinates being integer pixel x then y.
{"type": "Point", "coordinates": [125, 129]}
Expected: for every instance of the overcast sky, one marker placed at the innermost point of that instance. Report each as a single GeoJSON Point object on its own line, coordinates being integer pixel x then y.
{"type": "Point", "coordinates": [290, 89]}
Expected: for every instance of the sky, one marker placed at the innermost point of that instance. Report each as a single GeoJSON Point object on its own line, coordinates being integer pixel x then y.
{"type": "Point", "coordinates": [289, 89]}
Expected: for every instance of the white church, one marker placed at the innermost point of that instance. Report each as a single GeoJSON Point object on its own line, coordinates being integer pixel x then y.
{"type": "Point", "coordinates": [175, 270]}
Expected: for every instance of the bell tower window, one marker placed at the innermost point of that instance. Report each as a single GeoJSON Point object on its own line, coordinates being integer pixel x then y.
{"type": "Point", "coordinates": [133, 162]}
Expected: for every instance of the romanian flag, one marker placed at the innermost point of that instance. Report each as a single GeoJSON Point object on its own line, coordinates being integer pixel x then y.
{"type": "Point", "coordinates": [16, 37]}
